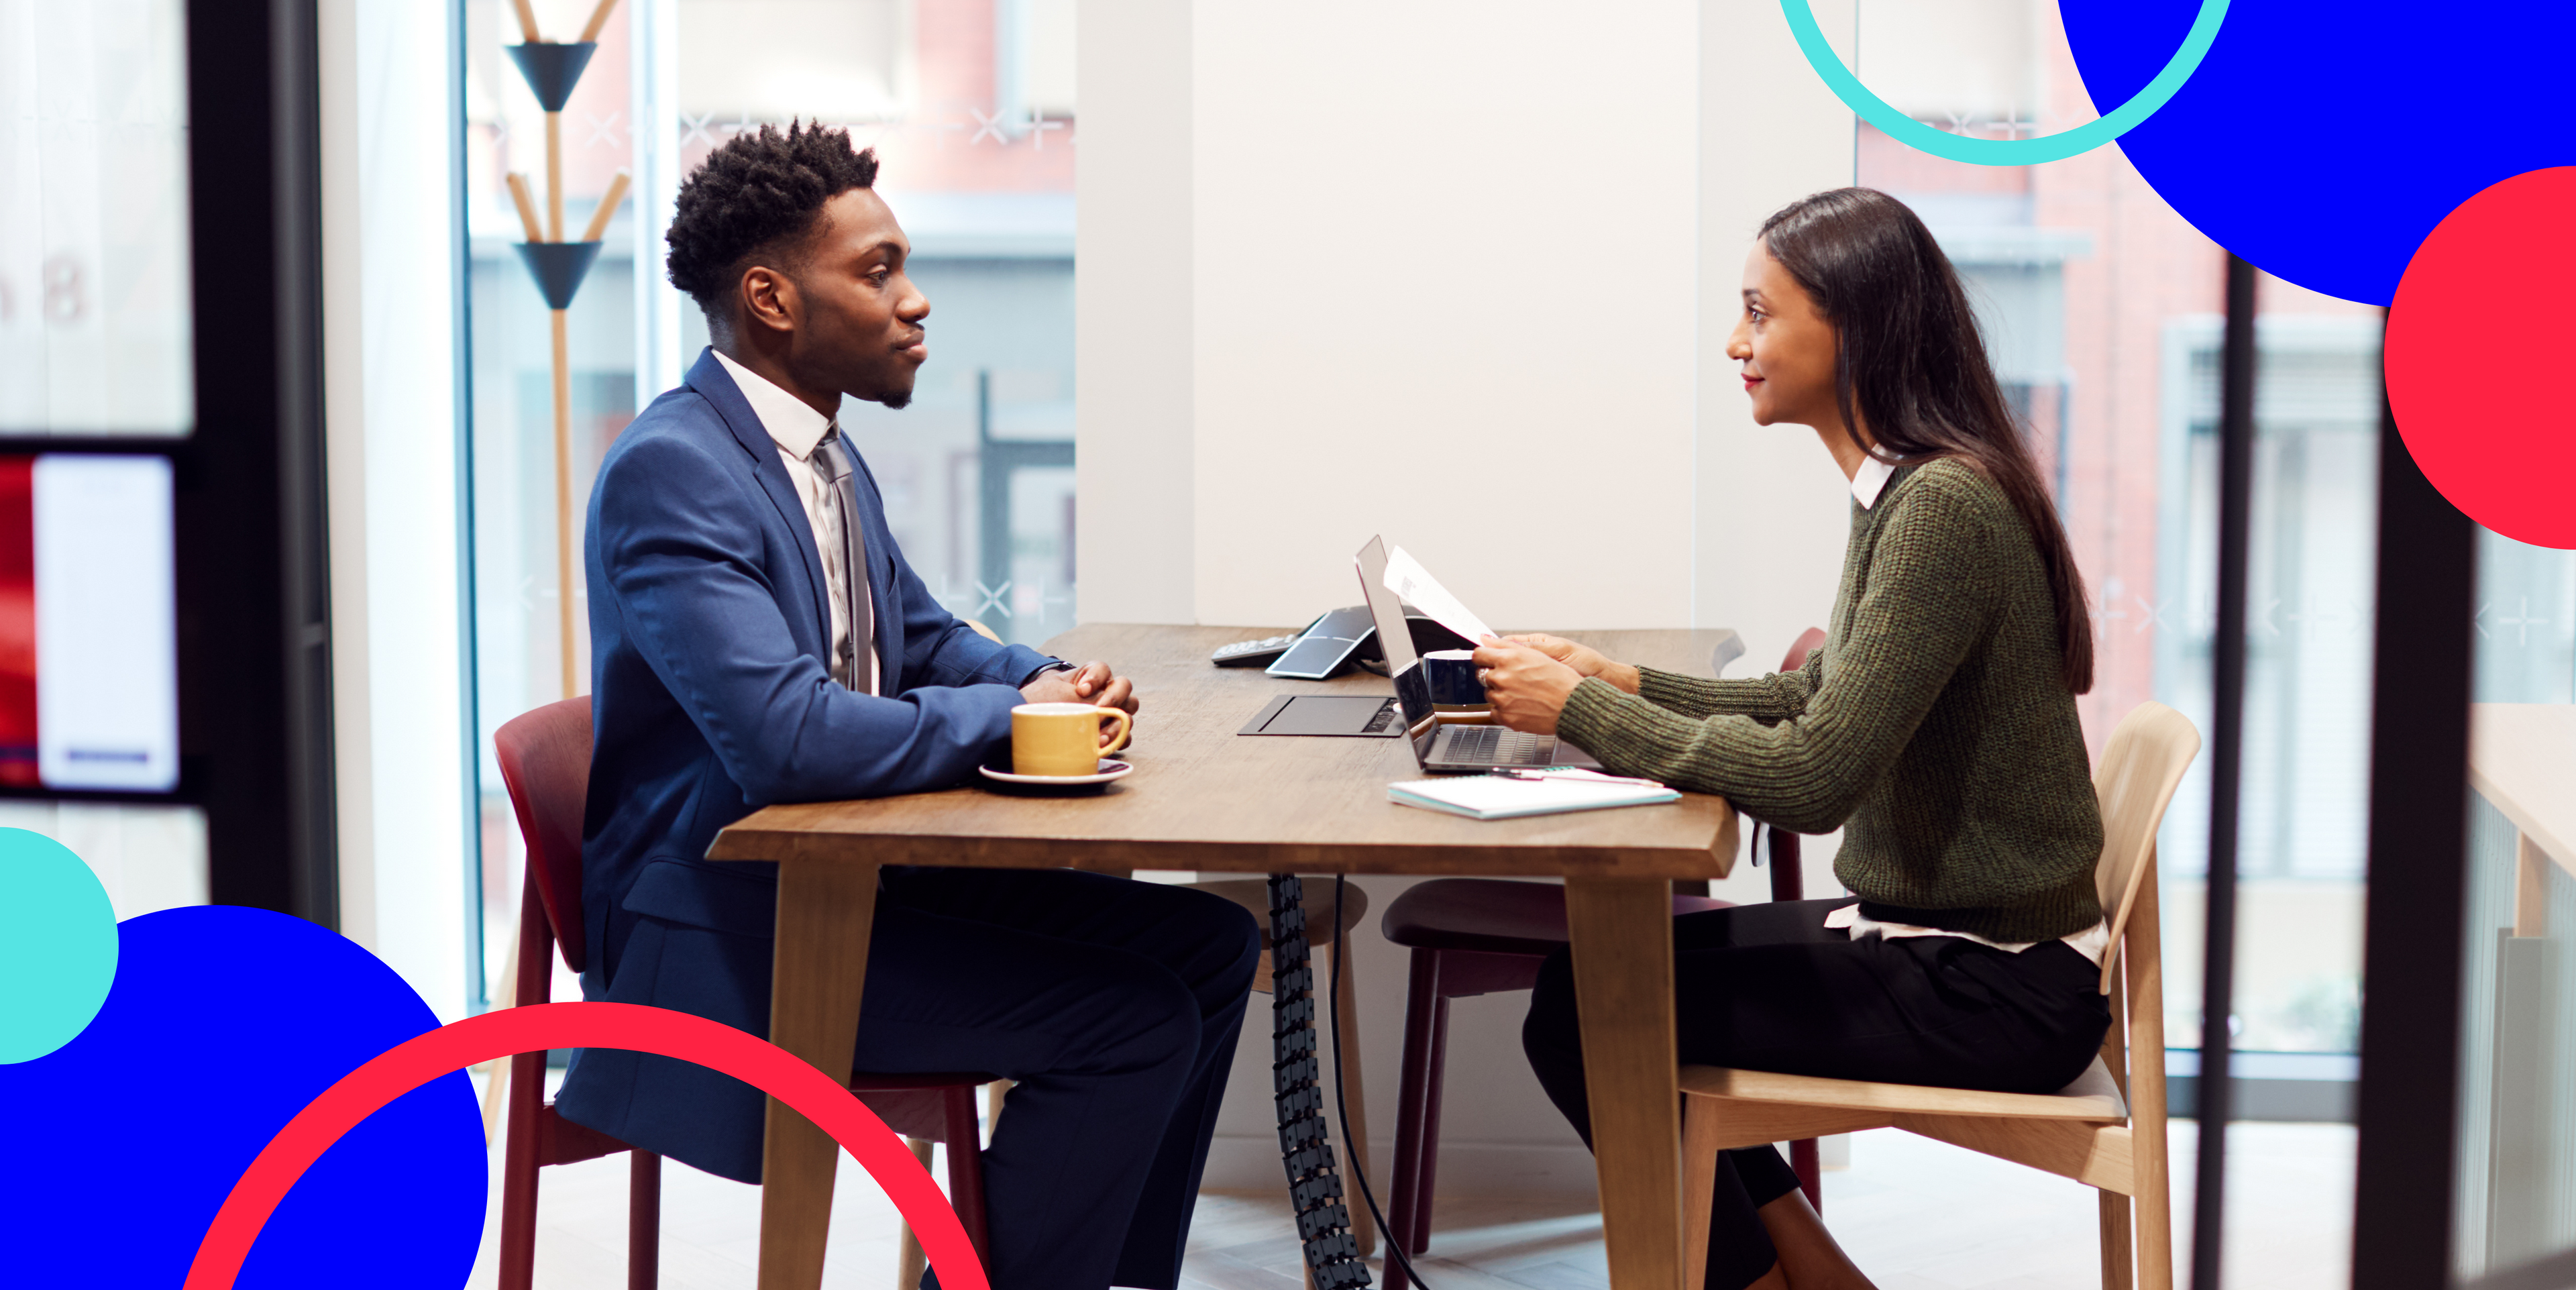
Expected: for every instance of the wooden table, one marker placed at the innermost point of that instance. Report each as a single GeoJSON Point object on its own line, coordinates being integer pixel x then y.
{"type": "Point", "coordinates": [1206, 799]}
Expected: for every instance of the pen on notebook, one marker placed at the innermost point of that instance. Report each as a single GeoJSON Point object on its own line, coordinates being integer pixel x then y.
{"type": "Point", "coordinates": [1580, 777]}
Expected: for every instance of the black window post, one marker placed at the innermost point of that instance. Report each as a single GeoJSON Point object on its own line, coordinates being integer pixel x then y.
{"type": "Point", "coordinates": [2418, 869]}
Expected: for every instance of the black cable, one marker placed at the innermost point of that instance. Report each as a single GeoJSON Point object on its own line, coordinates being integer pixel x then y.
{"type": "Point", "coordinates": [1314, 1183]}
{"type": "Point", "coordinates": [1341, 1104]}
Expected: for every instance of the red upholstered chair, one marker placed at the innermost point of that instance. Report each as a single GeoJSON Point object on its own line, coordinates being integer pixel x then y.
{"type": "Point", "coordinates": [1472, 936]}
{"type": "Point", "coordinates": [545, 761]}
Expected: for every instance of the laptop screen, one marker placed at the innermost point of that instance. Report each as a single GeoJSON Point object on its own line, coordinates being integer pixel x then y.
{"type": "Point", "coordinates": [1395, 636]}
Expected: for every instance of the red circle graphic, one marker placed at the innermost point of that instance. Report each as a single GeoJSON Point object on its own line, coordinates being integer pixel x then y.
{"type": "Point", "coordinates": [2481, 346]}
{"type": "Point", "coordinates": [757, 1062]}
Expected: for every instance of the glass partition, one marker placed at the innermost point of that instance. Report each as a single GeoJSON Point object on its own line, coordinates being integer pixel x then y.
{"type": "Point", "coordinates": [2515, 1184]}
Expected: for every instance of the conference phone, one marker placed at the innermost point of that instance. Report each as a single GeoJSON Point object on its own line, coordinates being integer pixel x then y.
{"type": "Point", "coordinates": [1336, 641]}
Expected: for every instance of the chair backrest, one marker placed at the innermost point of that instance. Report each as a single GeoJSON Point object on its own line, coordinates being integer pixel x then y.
{"type": "Point", "coordinates": [545, 761]}
{"type": "Point", "coordinates": [2140, 767]}
{"type": "Point", "coordinates": [1808, 642]}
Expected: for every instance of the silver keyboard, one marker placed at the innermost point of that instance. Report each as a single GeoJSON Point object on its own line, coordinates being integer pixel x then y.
{"type": "Point", "coordinates": [1496, 746]}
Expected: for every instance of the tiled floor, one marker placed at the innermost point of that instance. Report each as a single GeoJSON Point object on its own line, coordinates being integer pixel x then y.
{"type": "Point", "coordinates": [1915, 1214]}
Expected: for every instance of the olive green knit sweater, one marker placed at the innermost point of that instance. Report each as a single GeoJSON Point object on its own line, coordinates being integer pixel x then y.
{"type": "Point", "coordinates": [1934, 725]}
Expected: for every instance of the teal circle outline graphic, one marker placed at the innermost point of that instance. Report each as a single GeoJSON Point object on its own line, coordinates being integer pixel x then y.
{"type": "Point", "coordinates": [58, 945]}
{"type": "Point", "coordinates": [2002, 152]}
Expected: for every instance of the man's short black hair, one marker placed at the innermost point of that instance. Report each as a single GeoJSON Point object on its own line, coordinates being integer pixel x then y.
{"type": "Point", "coordinates": [755, 192]}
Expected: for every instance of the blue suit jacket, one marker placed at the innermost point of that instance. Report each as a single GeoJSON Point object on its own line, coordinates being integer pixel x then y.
{"type": "Point", "coordinates": [710, 699]}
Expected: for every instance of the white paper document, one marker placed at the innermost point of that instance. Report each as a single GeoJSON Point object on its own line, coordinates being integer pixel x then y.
{"type": "Point", "coordinates": [1414, 584]}
{"type": "Point", "coordinates": [1503, 797]}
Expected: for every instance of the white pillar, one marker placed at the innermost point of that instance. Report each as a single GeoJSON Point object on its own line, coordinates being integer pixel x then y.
{"type": "Point", "coordinates": [389, 245]}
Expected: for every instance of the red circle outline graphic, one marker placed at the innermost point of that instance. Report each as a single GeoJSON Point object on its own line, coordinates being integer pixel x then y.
{"type": "Point", "coordinates": [536, 1027]}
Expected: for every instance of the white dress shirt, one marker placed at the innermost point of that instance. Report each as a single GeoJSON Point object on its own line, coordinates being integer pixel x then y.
{"type": "Point", "coordinates": [797, 429]}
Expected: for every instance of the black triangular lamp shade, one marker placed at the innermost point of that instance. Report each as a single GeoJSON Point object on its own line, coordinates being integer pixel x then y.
{"type": "Point", "coordinates": [558, 268]}
{"type": "Point", "coordinates": [552, 70]}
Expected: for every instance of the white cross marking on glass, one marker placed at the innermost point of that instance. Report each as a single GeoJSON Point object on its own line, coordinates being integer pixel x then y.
{"type": "Point", "coordinates": [2263, 617]}
{"type": "Point", "coordinates": [1037, 126]}
{"type": "Point", "coordinates": [2013, 125]}
{"type": "Point", "coordinates": [2155, 613]}
{"type": "Point", "coordinates": [988, 124]}
{"type": "Point", "coordinates": [2482, 612]}
{"type": "Point", "coordinates": [993, 597]}
{"type": "Point", "coordinates": [1958, 123]}
{"type": "Point", "coordinates": [694, 128]}
{"type": "Point", "coordinates": [601, 131]}
{"type": "Point", "coordinates": [2522, 626]}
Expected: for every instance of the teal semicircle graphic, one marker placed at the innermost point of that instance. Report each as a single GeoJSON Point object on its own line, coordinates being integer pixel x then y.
{"type": "Point", "coordinates": [57, 945]}
{"type": "Point", "coordinates": [2002, 152]}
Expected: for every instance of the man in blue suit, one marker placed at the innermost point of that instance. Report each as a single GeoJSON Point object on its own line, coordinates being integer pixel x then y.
{"type": "Point", "coordinates": [756, 637]}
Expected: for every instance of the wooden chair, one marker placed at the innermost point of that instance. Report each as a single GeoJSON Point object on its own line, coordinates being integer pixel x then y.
{"type": "Point", "coordinates": [2103, 1130]}
{"type": "Point", "coordinates": [1469, 936]}
{"type": "Point", "coordinates": [545, 761]}
{"type": "Point", "coordinates": [1788, 882]}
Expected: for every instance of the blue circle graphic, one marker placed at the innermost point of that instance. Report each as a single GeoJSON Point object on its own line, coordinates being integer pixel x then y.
{"type": "Point", "coordinates": [57, 945]}
{"type": "Point", "coordinates": [2004, 152]}
{"type": "Point", "coordinates": [224, 1022]}
{"type": "Point", "coordinates": [2325, 145]}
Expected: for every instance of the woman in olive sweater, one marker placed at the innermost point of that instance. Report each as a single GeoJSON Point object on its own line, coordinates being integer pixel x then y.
{"type": "Point", "coordinates": [1936, 727]}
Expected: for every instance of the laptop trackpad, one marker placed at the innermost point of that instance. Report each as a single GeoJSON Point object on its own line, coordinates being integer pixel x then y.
{"type": "Point", "coordinates": [1328, 714]}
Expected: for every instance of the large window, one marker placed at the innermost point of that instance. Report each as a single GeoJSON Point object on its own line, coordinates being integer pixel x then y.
{"type": "Point", "coordinates": [970, 107]}
{"type": "Point", "coordinates": [2103, 308]}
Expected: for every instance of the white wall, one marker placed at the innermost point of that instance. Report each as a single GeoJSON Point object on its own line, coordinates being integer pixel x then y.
{"type": "Point", "coordinates": [1352, 269]}
{"type": "Point", "coordinates": [1773, 509]}
{"type": "Point", "coordinates": [389, 361]}
{"type": "Point", "coordinates": [1135, 537]}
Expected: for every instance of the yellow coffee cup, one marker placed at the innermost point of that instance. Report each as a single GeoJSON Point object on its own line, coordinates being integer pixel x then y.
{"type": "Point", "coordinates": [1062, 738]}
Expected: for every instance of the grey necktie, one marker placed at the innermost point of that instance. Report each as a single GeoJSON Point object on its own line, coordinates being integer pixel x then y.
{"type": "Point", "coordinates": [831, 462]}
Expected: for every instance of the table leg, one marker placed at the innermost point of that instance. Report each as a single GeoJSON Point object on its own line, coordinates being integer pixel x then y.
{"type": "Point", "coordinates": [824, 910]}
{"type": "Point", "coordinates": [1623, 987]}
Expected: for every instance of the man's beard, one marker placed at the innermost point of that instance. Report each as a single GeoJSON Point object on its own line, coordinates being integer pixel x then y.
{"type": "Point", "coordinates": [898, 399]}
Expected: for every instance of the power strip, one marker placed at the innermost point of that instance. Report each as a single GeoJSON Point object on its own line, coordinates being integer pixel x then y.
{"type": "Point", "coordinates": [1314, 1179]}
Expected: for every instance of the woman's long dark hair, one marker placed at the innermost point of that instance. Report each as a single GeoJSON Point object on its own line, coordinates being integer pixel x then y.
{"type": "Point", "coordinates": [1910, 361]}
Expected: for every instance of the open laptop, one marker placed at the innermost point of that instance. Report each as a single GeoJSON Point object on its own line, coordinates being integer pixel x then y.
{"type": "Point", "coordinates": [1444, 746]}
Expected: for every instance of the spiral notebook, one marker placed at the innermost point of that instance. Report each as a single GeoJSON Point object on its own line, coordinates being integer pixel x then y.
{"type": "Point", "coordinates": [1512, 794]}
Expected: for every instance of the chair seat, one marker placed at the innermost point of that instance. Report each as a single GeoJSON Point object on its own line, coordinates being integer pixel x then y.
{"type": "Point", "coordinates": [919, 1106]}
{"type": "Point", "coordinates": [2094, 1096]}
{"type": "Point", "coordinates": [1493, 915]}
{"type": "Point", "coordinates": [1254, 894]}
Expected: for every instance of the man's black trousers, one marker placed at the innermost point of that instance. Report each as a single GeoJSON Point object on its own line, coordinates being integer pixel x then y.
{"type": "Point", "coordinates": [1770, 987]}
{"type": "Point", "coordinates": [1115, 1004]}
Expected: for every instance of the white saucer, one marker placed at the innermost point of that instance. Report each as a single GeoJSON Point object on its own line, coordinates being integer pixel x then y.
{"type": "Point", "coordinates": [1110, 768]}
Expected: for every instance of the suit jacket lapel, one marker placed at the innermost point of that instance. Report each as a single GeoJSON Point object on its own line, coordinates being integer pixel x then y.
{"type": "Point", "coordinates": [712, 382]}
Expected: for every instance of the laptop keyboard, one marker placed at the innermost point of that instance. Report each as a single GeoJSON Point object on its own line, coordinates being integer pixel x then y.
{"type": "Point", "coordinates": [1496, 746]}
